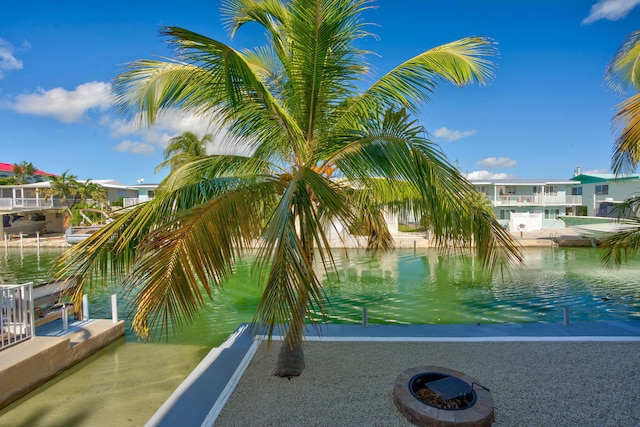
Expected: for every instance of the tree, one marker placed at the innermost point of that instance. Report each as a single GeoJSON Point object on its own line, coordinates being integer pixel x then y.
{"type": "Point", "coordinates": [323, 152]}
{"type": "Point", "coordinates": [91, 191]}
{"type": "Point", "coordinates": [623, 75]}
{"type": "Point", "coordinates": [64, 187]}
{"type": "Point", "coordinates": [23, 172]}
{"type": "Point", "coordinates": [183, 149]}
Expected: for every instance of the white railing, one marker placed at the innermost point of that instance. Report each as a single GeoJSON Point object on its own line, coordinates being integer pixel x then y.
{"type": "Point", "coordinates": [13, 204]}
{"type": "Point", "coordinates": [537, 200]}
{"type": "Point", "coordinates": [131, 201]}
{"type": "Point", "coordinates": [16, 314]}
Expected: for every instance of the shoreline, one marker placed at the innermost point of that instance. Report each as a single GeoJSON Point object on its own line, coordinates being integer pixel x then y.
{"type": "Point", "coordinates": [541, 238]}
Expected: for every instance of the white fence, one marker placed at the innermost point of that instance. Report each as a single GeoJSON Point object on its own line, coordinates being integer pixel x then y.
{"type": "Point", "coordinates": [16, 314]}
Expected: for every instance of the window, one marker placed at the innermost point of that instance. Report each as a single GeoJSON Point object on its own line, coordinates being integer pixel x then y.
{"type": "Point", "coordinates": [551, 190]}
{"type": "Point", "coordinates": [505, 213]}
{"type": "Point", "coordinates": [576, 191]}
{"type": "Point", "coordinates": [602, 189]}
{"type": "Point", "coordinates": [537, 189]}
{"type": "Point", "coordinates": [551, 213]}
{"type": "Point", "coordinates": [506, 189]}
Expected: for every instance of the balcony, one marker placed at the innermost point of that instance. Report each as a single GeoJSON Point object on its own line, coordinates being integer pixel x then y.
{"type": "Point", "coordinates": [537, 200]}
{"type": "Point", "coordinates": [29, 204]}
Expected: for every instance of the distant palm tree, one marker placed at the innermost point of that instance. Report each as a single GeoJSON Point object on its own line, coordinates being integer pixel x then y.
{"type": "Point", "coordinates": [183, 149]}
{"type": "Point", "coordinates": [64, 187]}
{"type": "Point", "coordinates": [323, 152]}
{"type": "Point", "coordinates": [92, 191]}
{"type": "Point", "coordinates": [23, 172]}
{"type": "Point", "coordinates": [623, 75]}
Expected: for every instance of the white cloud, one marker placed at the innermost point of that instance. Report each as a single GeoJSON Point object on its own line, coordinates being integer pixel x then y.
{"type": "Point", "coordinates": [8, 62]}
{"type": "Point", "coordinates": [596, 171]}
{"type": "Point", "coordinates": [497, 162]}
{"type": "Point", "coordinates": [610, 9]}
{"type": "Point", "coordinates": [167, 126]}
{"type": "Point", "coordinates": [135, 147]}
{"type": "Point", "coordinates": [452, 135]}
{"type": "Point", "coordinates": [482, 175]}
{"type": "Point", "coordinates": [171, 124]}
{"type": "Point", "coordinates": [61, 104]}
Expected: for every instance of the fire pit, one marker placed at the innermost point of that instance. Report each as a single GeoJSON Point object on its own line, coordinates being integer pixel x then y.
{"type": "Point", "coordinates": [436, 396]}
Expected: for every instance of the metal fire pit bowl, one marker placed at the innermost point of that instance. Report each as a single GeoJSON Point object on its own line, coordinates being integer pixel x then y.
{"type": "Point", "coordinates": [471, 403]}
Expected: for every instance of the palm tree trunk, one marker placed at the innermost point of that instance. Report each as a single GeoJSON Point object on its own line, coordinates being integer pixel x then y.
{"type": "Point", "coordinates": [291, 356]}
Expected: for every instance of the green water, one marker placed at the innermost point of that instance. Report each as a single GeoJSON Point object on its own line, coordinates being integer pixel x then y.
{"type": "Point", "coordinates": [125, 383]}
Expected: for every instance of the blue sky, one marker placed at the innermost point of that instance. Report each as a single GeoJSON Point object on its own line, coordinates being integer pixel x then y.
{"type": "Point", "coordinates": [546, 111]}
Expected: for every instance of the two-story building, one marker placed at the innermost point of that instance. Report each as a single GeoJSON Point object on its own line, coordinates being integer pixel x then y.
{"type": "Point", "coordinates": [530, 204]}
{"type": "Point", "coordinates": [21, 203]}
{"type": "Point", "coordinates": [598, 188]}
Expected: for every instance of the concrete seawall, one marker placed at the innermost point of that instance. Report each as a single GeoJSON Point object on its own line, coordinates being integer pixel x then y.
{"type": "Point", "coordinates": [30, 364]}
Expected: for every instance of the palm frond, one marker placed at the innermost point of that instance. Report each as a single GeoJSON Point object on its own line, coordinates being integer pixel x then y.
{"type": "Point", "coordinates": [184, 258]}
{"type": "Point", "coordinates": [626, 149]}
{"type": "Point", "coordinates": [461, 62]}
{"type": "Point", "coordinates": [623, 72]}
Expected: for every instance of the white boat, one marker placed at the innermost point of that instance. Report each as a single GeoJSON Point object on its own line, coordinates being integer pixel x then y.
{"type": "Point", "coordinates": [78, 233]}
{"type": "Point", "coordinates": [597, 227]}
{"type": "Point", "coordinates": [21, 224]}
{"type": "Point", "coordinates": [608, 221]}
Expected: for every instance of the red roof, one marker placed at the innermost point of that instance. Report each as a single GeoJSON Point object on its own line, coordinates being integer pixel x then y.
{"type": "Point", "coordinates": [8, 167]}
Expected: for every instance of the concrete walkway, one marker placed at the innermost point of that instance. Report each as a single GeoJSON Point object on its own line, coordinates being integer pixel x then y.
{"type": "Point", "coordinates": [203, 395]}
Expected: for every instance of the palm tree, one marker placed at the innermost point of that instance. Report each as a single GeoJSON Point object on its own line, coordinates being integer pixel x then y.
{"type": "Point", "coordinates": [323, 152]}
{"type": "Point", "coordinates": [183, 149]}
{"type": "Point", "coordinates": [93, 191]}
{"type": "Point", "coordinates": [64, 187]}
{"type": "Point", "coordinates": [623, 75]}
{"type": "Point", "coordinates": [23, 172]}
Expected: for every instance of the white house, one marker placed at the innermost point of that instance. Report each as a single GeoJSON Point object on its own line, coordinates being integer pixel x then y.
{"type": "Point", "coordinates": [29, 200]}
{"type": "Point", "coordinates": [530, 204]}
{"type": "Point", "coordinates": [598, 188]}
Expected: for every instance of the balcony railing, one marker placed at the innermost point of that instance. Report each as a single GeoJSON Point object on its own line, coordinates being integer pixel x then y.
{"type": "Point", "coordinates": [17, 204]}
{"type": "Point", "coordinates": [537, 200]}
{"type": "Point", "coordinates": [16, 314]}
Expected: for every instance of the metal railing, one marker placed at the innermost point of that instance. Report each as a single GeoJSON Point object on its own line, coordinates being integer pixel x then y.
{"type": "Point", "coordinates": [16, 314]}
{"type": "Point", "coordinates": [537, 200]}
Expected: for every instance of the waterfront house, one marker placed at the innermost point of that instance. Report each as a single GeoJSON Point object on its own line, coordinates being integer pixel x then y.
{"type": "Point", "coordinates": [530, 204]}
{"type": "Point", "coordinates": [29, 199]}
{"type": "Point", "coordinates": [598, 188]}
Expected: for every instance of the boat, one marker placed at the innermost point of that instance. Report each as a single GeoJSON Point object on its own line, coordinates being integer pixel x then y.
{"type": "Point", "coordinates": [608, 221]}
{"type": "Point", "coordinates": [50, 299]}
{"type": "Point", "coordinates": [78, 233]}
{"type": "Point", "coordinates": [21, 224]}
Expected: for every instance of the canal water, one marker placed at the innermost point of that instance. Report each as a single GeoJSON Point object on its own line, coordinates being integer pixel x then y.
{"type": "Point", "coordinates": [125, 383]}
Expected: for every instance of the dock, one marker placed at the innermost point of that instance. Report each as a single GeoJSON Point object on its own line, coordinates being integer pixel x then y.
{"type": "Point", "coordinates": [27, 365]}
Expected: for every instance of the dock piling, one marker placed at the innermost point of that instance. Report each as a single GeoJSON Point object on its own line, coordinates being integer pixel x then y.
{"type": "Point", "coordinates": [114, 308]}
{"type": "Point", "coordinates": [85, 307]}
